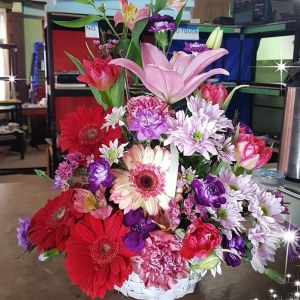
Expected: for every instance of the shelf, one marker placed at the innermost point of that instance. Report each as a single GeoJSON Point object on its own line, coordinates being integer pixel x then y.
{"type": "Point", "coordinates": [271, 29]}
{"type": "Point", "coordinates": [263, 90]}
{"type": "Point", "coordinates": [8, 46]}
{"type": "Point", "coordinates": [208, 28]}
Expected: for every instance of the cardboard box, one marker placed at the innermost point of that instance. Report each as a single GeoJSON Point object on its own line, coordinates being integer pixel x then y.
{"type": "Point", "coordinates": [208, 10]}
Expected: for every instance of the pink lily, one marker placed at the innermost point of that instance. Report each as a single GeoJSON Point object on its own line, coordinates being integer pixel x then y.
{"type": "Point", "coordinates": [176, 79]}
{"type": "Point", "coordinates": [129, 14]}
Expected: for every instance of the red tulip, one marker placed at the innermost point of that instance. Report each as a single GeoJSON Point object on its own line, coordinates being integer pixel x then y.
{"type": "Point", "coordinates": [200, 239]}
{"type": "Point", "coordinates": [216, 94]}
{"type": "Point", "coordinates": [99, 73]}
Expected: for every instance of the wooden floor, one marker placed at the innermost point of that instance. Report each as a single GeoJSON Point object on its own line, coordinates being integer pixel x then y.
{"type": "Point", "coordinates": [26, 278]}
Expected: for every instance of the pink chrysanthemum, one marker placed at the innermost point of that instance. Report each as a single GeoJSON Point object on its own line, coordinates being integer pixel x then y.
{"type": "Point", "coordinates": [160, 263]}
{"type": "Point", "coordinates": [146, 181]}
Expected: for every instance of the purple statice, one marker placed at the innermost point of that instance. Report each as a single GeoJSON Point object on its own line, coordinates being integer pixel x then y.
{"type": "Point", "coordinates": [173, 214]}
{"type": "Point", "coordinates": [99, 174]}
{"type": "Point", "coordinates": [74, 159]}
{"type": "Point", "coordinates": [247, 129]}
{"type": "Point", "coordinates": [23, 225]}
{"type": "Point", "coordinates": [236, 244]}
{"type": "Point", "coordinates": [63, 173]}
{"type": "Point", "coordinates": [195, 47]}
{"type": "Point", "coordinates": [160, 23]}
{"type": "Point", "coordinates": [140, 227]}
{"type": "Point", "coordinates": [149, 124]}
{"type": "Point", "coordinates": [209, 192]}
{"type": "Point", "coordinates": [188, 207]}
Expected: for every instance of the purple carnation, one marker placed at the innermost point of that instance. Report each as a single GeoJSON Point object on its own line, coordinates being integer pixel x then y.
{"type": "Point", "coordinates": [149, 124]}
{"type": "Point", "coordinates": [23, 225]}
{"type": "Point", "coordinates": [195, 47]}
{"type": "Point", "coordinates": [140, 229]}
{"type": "Point", "coordinates": [161, 23]}
{"type": "Point", "coordinates": [99, 174]}
{"type": "Point", "coordinates": [209, 192]}
{"type": "Point", "coordinates": [236, 243]}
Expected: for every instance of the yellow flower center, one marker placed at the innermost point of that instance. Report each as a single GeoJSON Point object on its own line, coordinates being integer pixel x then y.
{"type": "Point", "coordinates": [129, 11]}
{"type": "Point", "coordinates": [90, 202]}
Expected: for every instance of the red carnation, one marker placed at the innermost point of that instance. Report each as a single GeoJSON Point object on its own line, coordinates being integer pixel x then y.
{"type": "Point", "coordinates": [200, 239]}
{"type": "Point", "coordinates": [82, 131]}
{"type": "Point", "coordinates": [50, 225]}
{"type": "Point", "coordinates": [97, 258]}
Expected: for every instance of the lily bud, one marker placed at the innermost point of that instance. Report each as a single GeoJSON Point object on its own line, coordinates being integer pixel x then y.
{"type": "Point", "coordinates": [214, 41]}
{"type": "Point", "coordinates": [102, 8]}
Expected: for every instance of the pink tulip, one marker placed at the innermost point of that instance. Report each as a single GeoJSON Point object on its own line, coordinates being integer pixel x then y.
{"type": "Point", "coordinates": [216, 94]}
{"type": "Point", "coordinates": [176, 4]}
{"type": "Point", "coordinates": [172, 80]}
{"type": "Point", "coordinates": [129, 14]}
{"type": "Point", "coordinates": [250, 151]}
{"type": "Point", "coordinates": [99, 73]}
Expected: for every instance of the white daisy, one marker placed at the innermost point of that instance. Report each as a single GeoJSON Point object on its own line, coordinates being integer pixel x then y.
{"type": "Point", "coordinates": [113, 153]}
{"type": "Point", "coordinates": [116, 117]}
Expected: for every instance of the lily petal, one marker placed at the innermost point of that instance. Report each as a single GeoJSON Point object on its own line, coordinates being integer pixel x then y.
{"type": "Point", "coordinates": [118, 18]}
{"type": "Point", "coordinates": [201, 61]}
{"type": "Point", "coordinates": [167, 82]}
{"type": "Point", "coordinates": [193, 84]}
{"type": "Point", "coordinates": [123, 3]}
{"type": "Point", "coordinates": [180, 60]}
{"type": "Point", "coordinates": [142, 13]}
{"type": "Point", "coordinates": [151, 55]}
{"type": "Point", "coordinates": [137, 70]}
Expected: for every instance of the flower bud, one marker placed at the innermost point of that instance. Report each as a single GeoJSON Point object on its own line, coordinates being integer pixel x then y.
{"type": "Point", "coordinates": [214, 41]}
{"type": "Point", "coordinates": [102, 8]}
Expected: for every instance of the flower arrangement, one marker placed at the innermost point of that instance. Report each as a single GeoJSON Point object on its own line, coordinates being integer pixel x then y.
{"type": "Point", "coordinates": [155, 188]}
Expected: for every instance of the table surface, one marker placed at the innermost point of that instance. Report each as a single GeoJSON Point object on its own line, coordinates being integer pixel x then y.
{"type": "Point", "coordinates": [10, 101]}
{"type": "Point", "coordinates": [26, 278]}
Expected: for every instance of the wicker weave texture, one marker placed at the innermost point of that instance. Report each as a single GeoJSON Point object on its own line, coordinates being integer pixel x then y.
{"type": "Point", "coordinates": [134, 287]}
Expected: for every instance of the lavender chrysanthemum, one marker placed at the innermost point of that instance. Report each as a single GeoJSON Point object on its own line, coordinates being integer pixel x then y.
{"type": "Point", "coordinates": [160, 23]}
{"type": "Point", "coordinates": [209, 192]}
{"type": "Point", "coordinates": [23, 225]}
{"type": "Point", "coordinates": [140, 229]}
{"type": "Point", "coordinates": [236, 244]}
{"type": "Point", "coordinates": [99, 174]}
{"type": "Point", "coordinates": [149, 125]}
{"type": "Point", "coordinates": [226, 151]}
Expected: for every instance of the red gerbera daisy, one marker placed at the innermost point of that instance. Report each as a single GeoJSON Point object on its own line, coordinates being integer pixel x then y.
{"type": "Point", "coordinates": [82, 131]}
{"type": "Point", "coordinates": [97, 258]}
{"type": "Point", "coordinates": [50, 225]}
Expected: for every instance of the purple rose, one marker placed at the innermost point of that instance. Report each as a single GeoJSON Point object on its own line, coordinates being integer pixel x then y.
{"type": "Point", "coordinates": [149, 124]}
{"type": "Point", "coordinates": [140, 229]}
{"type": "Point", "coordinates": [161, 23]}
{"type": "Point", "coordinates": [195, 47]}
{"type": "Point", "coordinates": [99, 174]}
{"type": "Point", "coordinates": [209, 192]}
{"type": "Point", "coordinates": [236, 243]}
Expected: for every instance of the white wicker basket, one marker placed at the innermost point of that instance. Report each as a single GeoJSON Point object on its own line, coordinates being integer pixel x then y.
{"type": "Point", "coordinates": [134, 287]}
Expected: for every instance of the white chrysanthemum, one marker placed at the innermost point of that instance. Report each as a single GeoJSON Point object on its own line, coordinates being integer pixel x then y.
{"type": "Point", "coordinates": [113, 152]}
{"type": "Point", "coordinates": [265, 245]}
{"type": "Point", "coordinates": [146, 182]}
{"type": "Point", "coordinates": [267, 208]}
{"type": "Point", "coordinates": [115, 118]}
{"type": "Point", "coordinates": [229, 216]}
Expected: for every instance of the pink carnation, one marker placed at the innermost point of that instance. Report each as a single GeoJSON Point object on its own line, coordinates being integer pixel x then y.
{"type": "Point", "coordinates": [140, 103]}
{"type": "Point", "coordinates": [160, 264]}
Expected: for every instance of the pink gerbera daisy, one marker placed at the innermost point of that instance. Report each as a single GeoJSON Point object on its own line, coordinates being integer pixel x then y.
{"type": "Point", "coordinates": [145, 182]}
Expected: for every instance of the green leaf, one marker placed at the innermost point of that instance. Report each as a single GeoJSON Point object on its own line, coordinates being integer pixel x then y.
{"type": "Point", "coordinates": [48, 254]}
{"type": "Point", "coordinates": [91, 2]}
{"type": "Point", "coordinates": [275, 275]}
{"type": "Point", "coordinates": [159, 5]}
{"type": "Point", "coordinates": [94, 90]}
{"type": "Point", "coordinates": [229, 97]}
{"type": "Point", "coordinates": [117, 91]}
{"type": "Point", "coordinates": [180, 232]}
{"type": "Point", "coordinates": [137, 31]}
{"type": "Point", "coordinates": [208, 263]}
{"type": "Point", "coordinates": [42, 174]}
{"type": "Point", "coordinates": [179, 17]}
{"type": "Point", "coordinates": [89, 50]}
{"type": "Point", "coordinates": [221, 165]}
{"type": "Point", "coordinates": [86, 20]}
